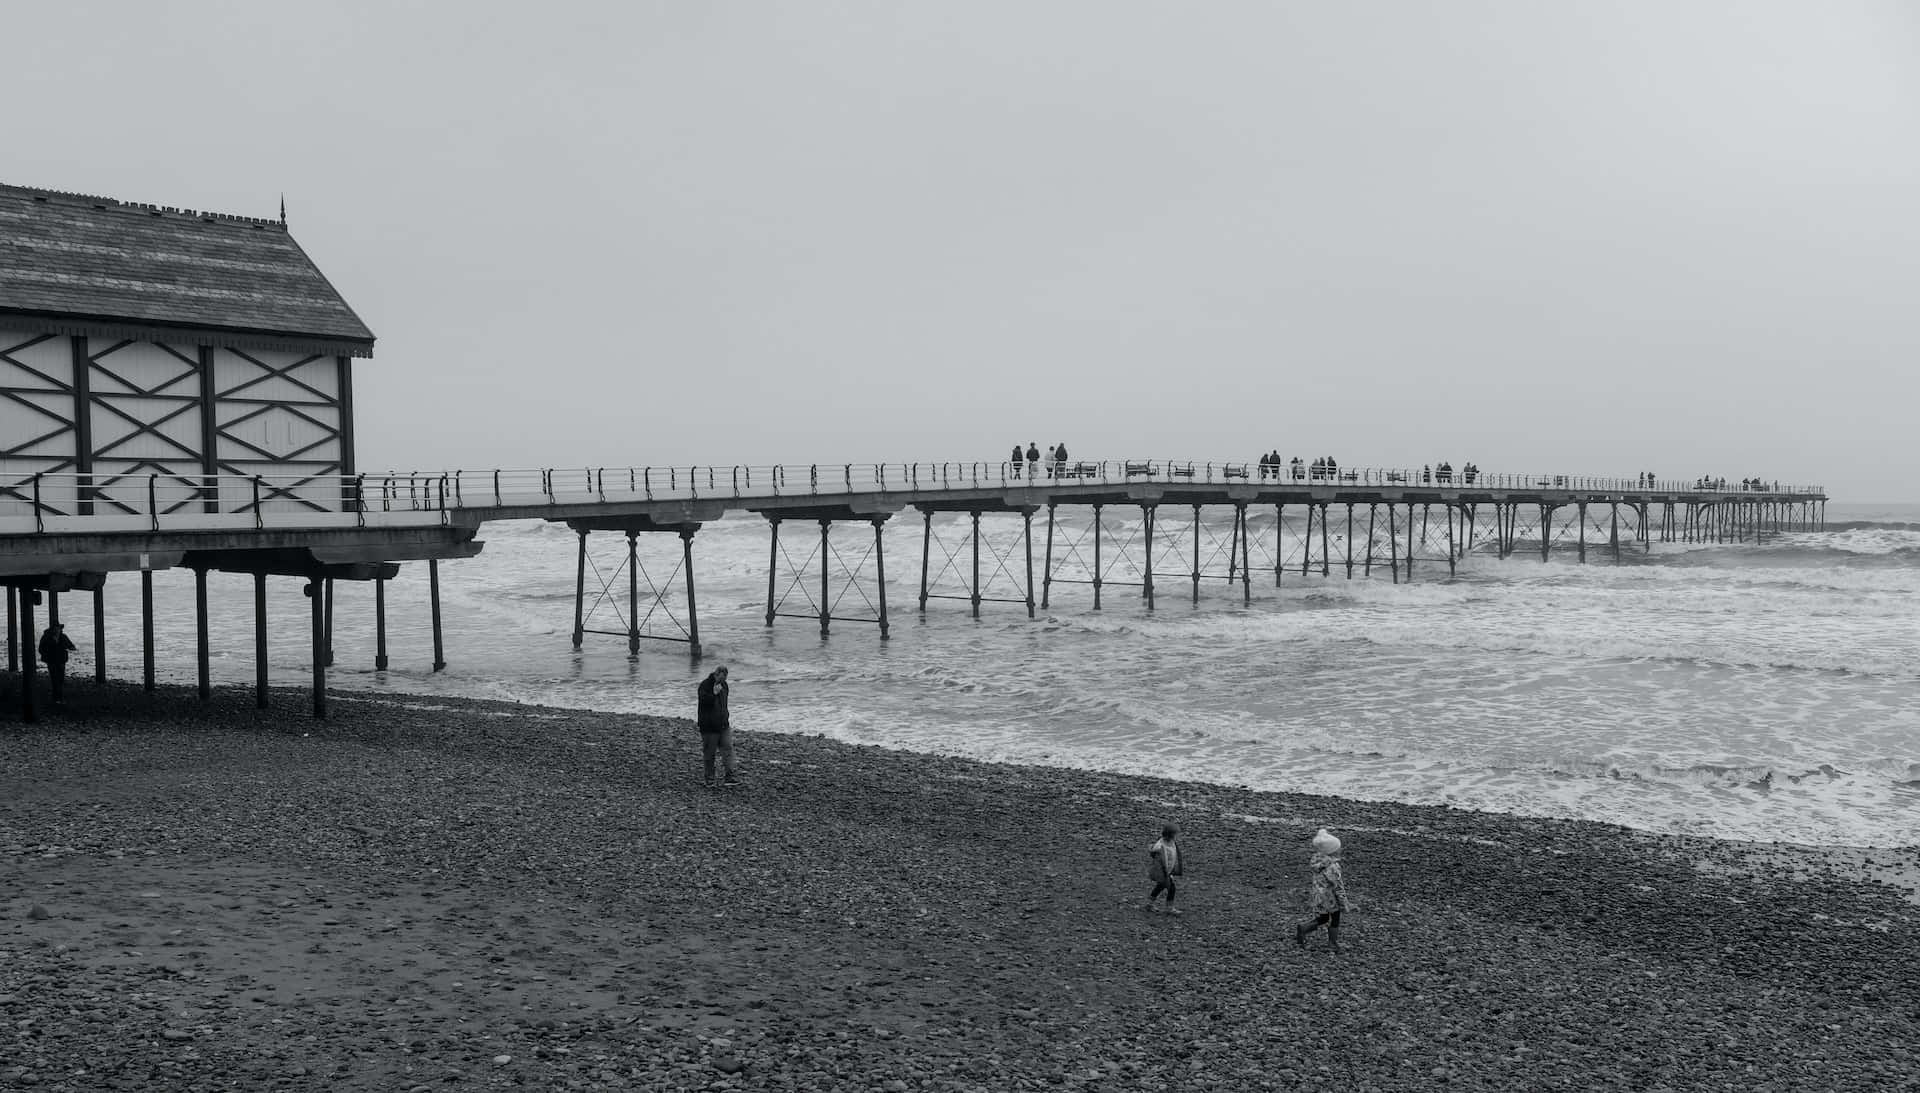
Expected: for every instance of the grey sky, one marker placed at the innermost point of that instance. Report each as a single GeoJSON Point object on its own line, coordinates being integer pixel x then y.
{"type": "Point", "coordinates": [1596, 237]}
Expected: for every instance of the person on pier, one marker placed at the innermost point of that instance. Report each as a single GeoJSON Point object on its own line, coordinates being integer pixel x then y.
{"type": "Point", "coordinates": [1033, 459]}
{"type": "Point", "coordinates": [1299, 469]}
{"type": "Point", "coordinates": [1060, 460]}
{"type": "Point", "coordinates": [1019, 458]}
{"type": "Point", "coordinates": [55, 648]}
{"type": "Point", "coordinates": [716, 725]}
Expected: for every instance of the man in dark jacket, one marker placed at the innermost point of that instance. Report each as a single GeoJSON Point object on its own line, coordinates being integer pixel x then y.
{"type": "Point", "coordinates": [716, 728]}
{"type": "Point", "coordinates": [55, 645]}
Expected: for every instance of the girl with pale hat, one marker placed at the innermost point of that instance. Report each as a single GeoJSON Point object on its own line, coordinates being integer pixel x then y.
{"type": "Point", "coordinates": [1326, 891]}
{"type": "Point", "coordinates": [1164, 859]}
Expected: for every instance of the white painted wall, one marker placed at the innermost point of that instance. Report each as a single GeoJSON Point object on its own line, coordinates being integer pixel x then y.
{"type": "Point", "coordinates": [33, 409]}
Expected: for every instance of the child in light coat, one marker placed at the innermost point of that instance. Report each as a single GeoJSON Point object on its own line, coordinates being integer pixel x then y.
{"type": "Point", "coordinates": [1163, 867]}
{"type": "Point", "coordinates": [1326, 891]}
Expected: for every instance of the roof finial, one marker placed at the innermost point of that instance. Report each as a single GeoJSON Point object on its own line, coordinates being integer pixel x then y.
{"type": "Point", "coordinates": [283, 208]}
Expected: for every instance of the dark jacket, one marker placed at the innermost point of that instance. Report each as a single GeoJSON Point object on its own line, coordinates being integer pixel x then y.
{"type": "Point", "coordinates": [54, 647]}
{"type": "Point", "coordinates": [713, 705]}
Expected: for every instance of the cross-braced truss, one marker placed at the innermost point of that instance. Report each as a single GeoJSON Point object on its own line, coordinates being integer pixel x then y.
{"type": "Point", "coordinates": [1068, 551]}
{"type": "Point", "coordinates": [649, 612]}
{"type": "Point", "coordinates": [984, 569]}
{"type": "Point", "coordinates": [838, 578]}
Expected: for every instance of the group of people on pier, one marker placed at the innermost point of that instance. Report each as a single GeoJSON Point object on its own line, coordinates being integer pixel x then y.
{"type": "Point", "coordinates": [1029, 457]}
{"type": "Point", "coordinates": [1324, 469]}
{"type": "Point", "coordinates": [1707, 482]}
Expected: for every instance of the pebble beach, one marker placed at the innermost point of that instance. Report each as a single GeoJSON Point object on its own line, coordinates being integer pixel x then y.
{"type": "Point", "coordinates": [444, 894]}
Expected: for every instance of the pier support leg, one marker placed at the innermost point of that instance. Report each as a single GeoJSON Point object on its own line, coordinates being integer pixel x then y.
{"type": "Point", "coordinates": [1393, 540]}
{"type": "Point", "coordinates": [146, 629]}
{"type": "Point", "coordinates": [1046, 567]}
{"type": "Point", "coordinates": [1098, 569]}
{"type": "Point", "coordinates": [1546, 530]}
{"type": "Point", "coordinates": [1246, 559]}
{"type": "Point", "coordinates": [633, 594]}
{"type": "Point", "coordinates": [56, 682]}
{"type": "Point", "coordinates": [100, 634]}
{"type": "Point", "coordinates": [433, 595]}
{"type": "Point", "coordinates": [1196, 555]}
{"type": "Point", "coordinates": [379, 624]}
{"type": "Point", "coordinates": [1026, 540]}
{"type": "Point", "coordinates": [1409, 542]}
{"type": "Point", "coordinates": [826, 547]}
{"type": "Point", "coordinates": [1280, 542]}
{"type": "Point", "coordinates": [580, 594]}
{"type": "Point", "coordinates": [260, 640]}
{"type": "Point", "coordinates": [1349, 540]}
{"type": "Point", "coordinates": [976, 565]}
{"type": "Point", "coordinates": [28, 715]}
{"type": "Point", "coordinates": [203, 655]}
{"type": "Point", "coordinates": [13, 629]}
{"type": "Point", "coordinates": [1450, 546]}
{"type": "Point", "coordinates": [1614, 536]}
{"type": "Point", "coordinates": [1583, 532]}
{"type": "Point", "coordinates": [329, 622]}
{"type": "Point", "coordinates": [926, 555]}
{"type": "Point", "coordinates": [693, 604]}
{"type": "Point", "coordinates": [880, 574]}
{"type": "Point", "coordinates": [1366, 565]}
{"type": "Point", "coordinates": [1146, 513]}
{"type": "Point", "coordinates": [1326, 555]}
{"type": "Point", "coordinates": [773, 566]}
{"type": "Point", "coordinates": [316, 592]}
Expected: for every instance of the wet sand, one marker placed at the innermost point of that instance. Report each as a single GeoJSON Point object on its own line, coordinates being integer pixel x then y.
{"type": "Point", "coordinates": [464, 895]}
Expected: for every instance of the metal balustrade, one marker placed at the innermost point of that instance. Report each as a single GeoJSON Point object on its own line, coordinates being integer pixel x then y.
{"type": "Point", "coordinates": [69, 502]}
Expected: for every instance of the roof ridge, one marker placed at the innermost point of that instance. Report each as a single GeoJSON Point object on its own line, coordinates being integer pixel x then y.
{"type": "Point", "coordinates": [42, 194]}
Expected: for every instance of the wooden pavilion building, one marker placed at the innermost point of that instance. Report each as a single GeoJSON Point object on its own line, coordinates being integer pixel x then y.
{"type": "Point", "coordinates": [165, 362]}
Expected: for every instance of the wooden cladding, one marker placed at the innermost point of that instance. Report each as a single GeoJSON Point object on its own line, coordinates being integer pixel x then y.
{"type": "Point", "coordinates": [119, 411]}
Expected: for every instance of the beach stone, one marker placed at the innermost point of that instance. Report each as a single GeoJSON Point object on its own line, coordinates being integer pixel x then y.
{"type": "Point", "coordinates": [728, 1064]}
{"type": "Point", "coordinates": [38, 913]}
{"type": "Point", "coordinates": [176, 1034]}
{"type": "Point", "coordinates": [502, 1060]}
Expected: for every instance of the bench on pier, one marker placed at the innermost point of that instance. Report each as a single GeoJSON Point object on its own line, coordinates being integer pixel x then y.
{"type": "Point", "coordinates": [1135, 470]}
{"type": "Point", "coordinates": [1396, 476]}
{"type": "Point", "coordinates": [1179, 470]}
{"type": "Point", "coordinates": [1237, 470]}
{"type": "Point", "coordinates": [1558, 481]}
{"type": "Point", "coordinates": [1077, 470]}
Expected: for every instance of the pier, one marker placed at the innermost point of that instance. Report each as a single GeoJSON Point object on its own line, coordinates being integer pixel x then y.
{"type": "Point", "coordinates": [1153, 528]}
{"type": "Point", "coordinates": [177, 393]}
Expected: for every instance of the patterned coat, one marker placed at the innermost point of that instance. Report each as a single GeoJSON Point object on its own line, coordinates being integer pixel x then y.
{"type": "Point", "coordinates": [1326, 890]}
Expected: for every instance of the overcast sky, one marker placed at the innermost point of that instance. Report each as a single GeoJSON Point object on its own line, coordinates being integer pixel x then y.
{"type": "Point", "coordinates": [1665, 236]}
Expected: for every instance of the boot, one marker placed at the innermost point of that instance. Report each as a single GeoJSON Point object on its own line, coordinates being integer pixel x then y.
{"type": "Point", "coordinates": [1300, 932]}
{"type": "Point", "coordinates": [1333, 938]}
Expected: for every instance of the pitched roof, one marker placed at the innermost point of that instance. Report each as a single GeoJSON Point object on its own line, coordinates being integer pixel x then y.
{"type": "Point", "coordinates": [83, 264]}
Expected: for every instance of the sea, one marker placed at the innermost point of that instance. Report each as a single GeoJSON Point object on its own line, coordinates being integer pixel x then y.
{"type": "Point", "coordinates": [1761, 691]}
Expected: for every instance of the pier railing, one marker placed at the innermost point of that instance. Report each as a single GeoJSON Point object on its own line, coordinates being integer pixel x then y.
{"type": "Point", "coordinates": [69, 502]}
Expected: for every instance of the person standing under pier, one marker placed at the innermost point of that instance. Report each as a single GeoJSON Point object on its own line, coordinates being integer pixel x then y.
{"type": "Point", "coordinates": [55, 648]}
{"type": "Point", "coordinates": [716, 725]}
